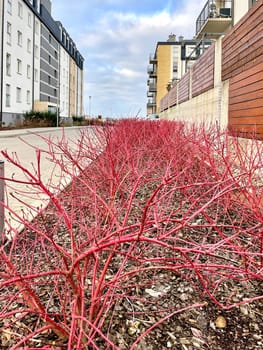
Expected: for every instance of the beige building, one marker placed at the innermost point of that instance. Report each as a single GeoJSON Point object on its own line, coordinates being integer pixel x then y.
{"type": "Point", "coordinates": [171, 60]}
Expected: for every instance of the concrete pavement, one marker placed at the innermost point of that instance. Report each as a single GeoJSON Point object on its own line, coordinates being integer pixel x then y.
{"type": "Point", "coordinates": [23, 144]}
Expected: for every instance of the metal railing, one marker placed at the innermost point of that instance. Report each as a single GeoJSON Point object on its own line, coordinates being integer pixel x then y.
{"type": "Point", "coordinates": [152, 87]}
{"type": "Point", "coordinates": [151, 70]}
{"type": "Point", "coordinates": [152, 58]}
{"type": "Point", "coordinates": [214, 9]}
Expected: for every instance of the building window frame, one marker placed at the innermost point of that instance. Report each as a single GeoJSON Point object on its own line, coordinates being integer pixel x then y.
{"type": "Point", "coordinates": [8, 64]}
{"type": "Point", "coordinates": [8, 33]}
{"type": "Point", "coordinates": [28, 98]}
{"type": "Point", "coordinates": [8, 95]}
{"type": "Point", "coordinates": [36, 27]}
{"type": "Point", "coordinates": [9, 6]}
{"type": "Point", "coordinates": [28, 71]}
{"type": "Point", "coordinates": [18, 94]}
{"type": "Point", "coordinates": [35, 75]}
{"type": "Point", "coordinates": [36, 53]}
{"type": "Point", "coordinates": [28, 45]}
{"type": "Point", "coordinates": [20, 9]}
{"type": "Point", "coordinates": [252, 3]}
{"type": "Point", "coordinates": [19, 66]}
{"type": "Point", "coordinates": [29, 19]}
{"type": "Point", "coordinates": [19, 38]}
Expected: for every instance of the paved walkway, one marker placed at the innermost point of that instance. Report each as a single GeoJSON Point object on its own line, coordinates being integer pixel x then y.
{"type": "Point", "coordinates": [17, 142]}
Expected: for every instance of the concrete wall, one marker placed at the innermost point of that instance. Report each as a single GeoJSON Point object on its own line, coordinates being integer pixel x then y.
{"type": "Point", "coordinates": [210, 107]}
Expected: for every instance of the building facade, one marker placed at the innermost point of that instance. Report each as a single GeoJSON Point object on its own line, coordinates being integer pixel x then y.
{"type": "Point", "coordinates": [171, 60]}
{"type": "Point", "coordinates": [35, 60]}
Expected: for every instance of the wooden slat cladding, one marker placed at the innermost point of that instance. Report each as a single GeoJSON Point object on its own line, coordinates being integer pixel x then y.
{"type": "Point", "coordinates": [170, 99]}
{"type": "Point", "coordinates": [173, 96]}
{"type": "Point", "coordinates": [242, 47]}
{"type": "Point", "coordinates": [203, 72]}
{"type": "Point", "coordinates": [246, 101]}
{"type": "Point", "coordinates": [164, 103]}
{"type": "Point", "coordinates": [183, 93]}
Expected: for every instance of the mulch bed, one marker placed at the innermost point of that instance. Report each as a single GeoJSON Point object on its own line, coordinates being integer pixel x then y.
{"type": "Point", "coordinates": [145, 298]}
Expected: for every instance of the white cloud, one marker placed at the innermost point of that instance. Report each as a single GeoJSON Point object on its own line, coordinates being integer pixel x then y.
{"type": "Point", "coordinates": [116, 45]}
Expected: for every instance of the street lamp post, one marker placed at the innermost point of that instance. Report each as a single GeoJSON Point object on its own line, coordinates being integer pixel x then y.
{"type": "Point", "coordinates": [89, 106]}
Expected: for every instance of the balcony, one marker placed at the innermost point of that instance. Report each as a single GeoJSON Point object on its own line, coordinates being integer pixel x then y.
{"type": "Point", "coordinates": [215, 19]}
{"type": "Point", "coordinates": [151, 94]}
{"type": "Point", "coordinates": [152, 59]}
{"type": "Point", "coordinates": [152, 87]}
{"type": "Point", "coordinates": [151, 103]}
{"type": "Point", "coordinates": [151, 70]}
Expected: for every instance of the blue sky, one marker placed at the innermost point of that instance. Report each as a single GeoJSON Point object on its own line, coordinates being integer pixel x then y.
{"type": "Point", "coordinates": [115, 37]}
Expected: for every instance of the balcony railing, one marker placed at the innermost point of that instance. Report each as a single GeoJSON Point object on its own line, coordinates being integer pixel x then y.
{"type": "Point", "coordinates": [151, 71]}
{"type": "Point", "coordinates": [152, 58]}
{"type": "Point", "coordinates": [215, 17]}
{"type": "Point", "coordinates": [152, 87]}
{"type": "Point", "coordinates": [151, 103]}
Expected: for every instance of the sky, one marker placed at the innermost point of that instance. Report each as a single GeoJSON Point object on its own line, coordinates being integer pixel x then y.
{"type": "Point", "coordinates": [116, 37]}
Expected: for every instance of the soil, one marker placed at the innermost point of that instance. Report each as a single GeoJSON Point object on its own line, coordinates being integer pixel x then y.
{"type": "Point", "coordinates": [197, 323]}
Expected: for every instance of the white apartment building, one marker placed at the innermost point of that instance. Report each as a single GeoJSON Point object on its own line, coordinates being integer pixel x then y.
{"type": "Point", "coordinates": [36, 52]}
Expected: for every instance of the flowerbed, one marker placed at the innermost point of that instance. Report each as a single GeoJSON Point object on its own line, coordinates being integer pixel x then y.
{"type": "Point", "coordinates": [152, 245]}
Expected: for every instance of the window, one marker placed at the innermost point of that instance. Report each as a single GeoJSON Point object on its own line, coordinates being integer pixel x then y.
{"type": "Point", "coordinates": [20, 10]}
{"type": "Point", "coordinates": [9, 6]}
{"type": "Point", "coordinates": [49, 38]}
{"type": "Point", "coordinates": [8, 64]}
{"type": "Point", "coordinates": [8, 32]}
{"type": "Point", "coordinates": [29, 19]}
{"type": "Point", "coordinates": [36, 27]}
{"type": "Point", "coordinates": [55, 73]}
{"type": "Point", "coordinates": [19, 38]}
{"type": "Point", "coordinates": [18, 94]}
{"type": "Point", "coordinates": [56, 54]}
{"type": "Point", "coordinates": [28, 71]}
{"type": "Point", "coordinates": [19, 66]}
{"type": "Point", "coordinates": [252, 2]}
{"type": "Point", "coordinates": [35, 75]}
{"type": "Point", "coordinates": [36, 51]}
{"type": "Point", "coordinates": [28, 45]}
{"type": "Point", "coordinates": [49, 59]}
{"type": "Point", "coordinates": [49, 79]}
{"type": "Point", "coordinates": [7, 96]}
{"type": "Point", "coordinates": [28, 97]}
{"type": "Point", "coordinates": [175, 67]}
